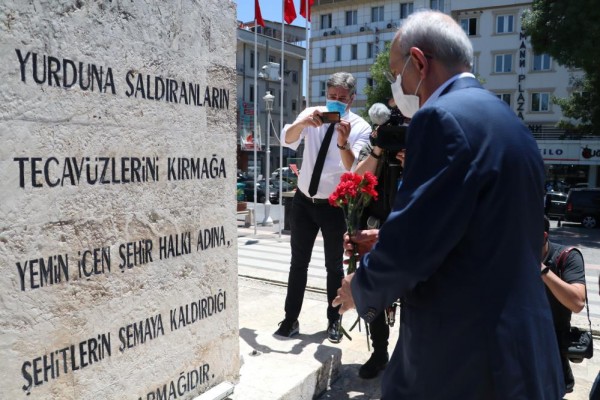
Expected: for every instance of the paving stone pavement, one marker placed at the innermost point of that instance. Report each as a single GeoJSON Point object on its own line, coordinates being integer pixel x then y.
{"type": "Point", "coordinates": [289, 368]}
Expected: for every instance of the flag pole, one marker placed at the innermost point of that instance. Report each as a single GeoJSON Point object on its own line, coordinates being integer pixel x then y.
{"type": "Point", "coordinates": [281, 213]}
{"type": "Point", "coordinates": [255, 112]}
{"type": "Point", "coordinates": [306, 80]}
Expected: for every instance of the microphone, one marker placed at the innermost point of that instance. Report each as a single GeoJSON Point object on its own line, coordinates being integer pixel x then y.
{"type": "Point", "coordinates": [379, 114]}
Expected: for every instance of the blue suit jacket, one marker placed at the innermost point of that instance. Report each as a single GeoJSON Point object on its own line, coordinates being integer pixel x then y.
{"type": "Point", "coordinates": [462, 250]}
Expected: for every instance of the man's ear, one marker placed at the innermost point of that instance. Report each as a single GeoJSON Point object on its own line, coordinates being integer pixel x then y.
{"type": "Point", "coordinates": [545, 237]}
{"type": "Point", "coordinates": [421, 62]}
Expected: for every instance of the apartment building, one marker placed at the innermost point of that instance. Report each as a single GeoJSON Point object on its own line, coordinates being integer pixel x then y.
{"type": "Point", "coordinates": [348, 34]}
{"type": "Point", "coordinates": [269, 70]}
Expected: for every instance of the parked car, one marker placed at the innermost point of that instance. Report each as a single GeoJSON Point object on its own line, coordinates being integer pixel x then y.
{"type": "Point", "coordinates": [286, 175]}
{"type": "Point", "coordinates": [261, 193]}
{"type": "Point", "coordinates": [555, 205]}
{"type": "Point", "coordinates": [583, 205]}
{"type": "Point", "coordinates": [286, 186]}
{"type": "Point", "coordinates": [557, 186]}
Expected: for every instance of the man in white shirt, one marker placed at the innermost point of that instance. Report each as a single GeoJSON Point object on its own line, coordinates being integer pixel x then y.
{"type": "Point", "coordinates": [311, 210]}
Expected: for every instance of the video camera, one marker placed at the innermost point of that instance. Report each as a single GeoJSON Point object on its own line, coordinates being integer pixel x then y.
{"type": "Point", "coordinates": [390, 133]}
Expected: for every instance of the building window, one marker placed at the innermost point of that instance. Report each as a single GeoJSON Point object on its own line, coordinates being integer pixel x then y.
{"type": "Point", "coordinates": [251, 93]}
{"type": "Point", "coordinates": [541, 62]}
{"type": "Point", "coordinates": [323, 88]}
{"type": "Point", "coordinates": [272, 59]}
{"type": "Point", "coordinates": [326, 21]}
{"type": "Point", "coordinates": [252, 59]}
{"type": "Point", "coordinates": [294, 105]}
{"type": "Point", "coordinates": [504, 24]}
{"type": "Point", "coordinates": [323, 54]}
{"type": "Point", "coordinates": [370, 52]}
{"type": "Point", "coordinates": [338, 53]}
{"type": "Point", "coordinates": [354, 52]}
{"type": "Point", "coordinates": [295, 76]}
{"type": "Point", "coordinates": [469, 25]}
{"type": "Point", "coordinates": [351, 17]}
{"type": "Point", "coordinates": [377, 14]}
{"type": "Point", "coordinates": [505, 97]}
{"type": "Point", "coordinates": [437, 5]}
{"type": "Point", "coordinates": [540, 102]}
{"type": "Point", "coordinates": [503, 63]}
{"type": "Point", "coordinates": [406, 9]}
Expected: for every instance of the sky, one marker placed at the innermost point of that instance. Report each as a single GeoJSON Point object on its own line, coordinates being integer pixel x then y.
{"type": "Point", "coordinates": [270, 9]}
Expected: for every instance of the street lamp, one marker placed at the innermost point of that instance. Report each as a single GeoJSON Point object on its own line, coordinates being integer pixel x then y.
{"type": "Point", "coordinates": [268, 98]}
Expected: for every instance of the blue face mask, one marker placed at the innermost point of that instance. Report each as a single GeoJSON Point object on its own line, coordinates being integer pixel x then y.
{"type": "Point", "coordinates": [334, 105]}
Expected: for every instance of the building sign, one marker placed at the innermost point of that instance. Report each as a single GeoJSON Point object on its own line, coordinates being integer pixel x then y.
{"type": "Point", "coordinates": [570, 152]}
{"type": "Point", "coordinates": [521, 77]}
{"type": "Point", "coordinates": [248, 139]}
{"type": "Point", "coordinates": [117, 235]}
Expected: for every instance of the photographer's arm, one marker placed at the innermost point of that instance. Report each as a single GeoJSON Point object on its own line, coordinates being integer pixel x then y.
{"type": "Point", "coordinates": [293, 132]}
{"type": "Point", "coordinates": [369, 164]}
{"type": "Point", "coordinates": [343, 129]}
{"type": "Point", "coordinates": [570, 295]}
{"type": "Point", "coordinates": [569, 289]}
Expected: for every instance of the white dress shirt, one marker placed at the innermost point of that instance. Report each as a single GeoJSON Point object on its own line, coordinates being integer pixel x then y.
{"type": "Point", "coordinates": [333, 167]}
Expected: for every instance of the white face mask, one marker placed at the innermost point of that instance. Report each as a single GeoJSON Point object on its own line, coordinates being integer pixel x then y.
{"type": "Point", "coordinates": [407, 103]}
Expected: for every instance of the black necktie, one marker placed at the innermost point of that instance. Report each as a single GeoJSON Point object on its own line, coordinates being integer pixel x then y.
{"type": "Point", "coordinates": [316, 175]}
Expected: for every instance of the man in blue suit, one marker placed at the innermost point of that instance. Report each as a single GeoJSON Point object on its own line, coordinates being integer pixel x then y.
{"type": "Point", "coordinates": [461, 248]}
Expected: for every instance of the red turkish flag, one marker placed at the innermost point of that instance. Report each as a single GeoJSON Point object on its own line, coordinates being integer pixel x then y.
{"type": "Point", "coordinates": [303, 10]}
{"type": "Point", "coordinates": [289, 14]}
{"type": "Point", "coordinates": [257, 14]}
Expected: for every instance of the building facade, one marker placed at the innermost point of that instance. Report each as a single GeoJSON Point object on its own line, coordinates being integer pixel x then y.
{"type": "Point", "coordinates": [268, 69]}
{"type": "Point", "coordinates": [348, 34]}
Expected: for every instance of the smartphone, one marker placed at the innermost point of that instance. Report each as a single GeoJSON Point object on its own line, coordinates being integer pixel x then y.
{"type": "Point", "coordinates": [329, 117]}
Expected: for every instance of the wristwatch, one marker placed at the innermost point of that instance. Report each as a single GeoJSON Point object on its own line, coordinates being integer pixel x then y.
{"type": "Point", "coordinates": [545, 270]}
{"type": "Point", "coordinates": [346, 146]}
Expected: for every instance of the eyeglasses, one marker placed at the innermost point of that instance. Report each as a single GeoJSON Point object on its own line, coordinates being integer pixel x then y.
{"type": "Point", "coordinates": [389, 76]}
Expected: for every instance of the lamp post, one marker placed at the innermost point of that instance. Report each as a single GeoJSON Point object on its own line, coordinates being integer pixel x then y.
{"type": "Point", "coordinates": [268, 98]}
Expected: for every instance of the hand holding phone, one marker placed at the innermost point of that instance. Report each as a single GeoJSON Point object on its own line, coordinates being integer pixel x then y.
{"type": "Point", "coordinates": [330, 117]}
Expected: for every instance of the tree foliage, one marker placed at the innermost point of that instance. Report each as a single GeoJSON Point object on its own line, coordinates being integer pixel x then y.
{"type": "Point", "coordinates": [381, 90]}
{"type": "Point", "coordinates": [569, 31]}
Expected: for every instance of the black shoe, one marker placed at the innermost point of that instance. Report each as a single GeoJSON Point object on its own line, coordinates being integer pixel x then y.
{"type": "Point", "coordinates": [288, 328]}
{"type": "Point", "coordinates": [371, 368]}
{"type": "Point", "coordinates": [333, 332]}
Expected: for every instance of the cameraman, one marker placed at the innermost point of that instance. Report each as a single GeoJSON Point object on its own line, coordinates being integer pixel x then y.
{"type": "Point", "coordinates": [565, 288]}
{"type": "Point", "coordinates": [386, 164]}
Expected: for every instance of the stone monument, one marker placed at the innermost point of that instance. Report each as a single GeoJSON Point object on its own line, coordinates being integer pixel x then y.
{"type": "Point", "coordinates": [117, 176]}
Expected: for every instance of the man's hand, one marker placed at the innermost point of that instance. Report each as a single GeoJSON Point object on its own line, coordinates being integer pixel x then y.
{"type": "Point", "coordinates": [344, 297]}
{"type": "Point", "coordinates": [313, 120]}
{"type": "Point", "coordinates": [361, 242]}
{"type": "Point", "coordinates": [343, 129]}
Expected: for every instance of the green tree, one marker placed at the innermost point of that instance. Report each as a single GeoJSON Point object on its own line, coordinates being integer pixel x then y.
{"type": "Point", "coordinates": [569, 32]}
{"type": "Point", "coordinates": [381, 90]}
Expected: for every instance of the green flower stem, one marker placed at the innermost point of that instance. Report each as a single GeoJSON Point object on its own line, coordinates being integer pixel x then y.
{"type": "Point", "coordinates": [344, 330]}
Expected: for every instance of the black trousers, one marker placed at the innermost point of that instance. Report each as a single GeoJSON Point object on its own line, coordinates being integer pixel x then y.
{"type": "Point", "coordinates": [380, 333]}
{"type": "Point", "coordinates": [307, 219]}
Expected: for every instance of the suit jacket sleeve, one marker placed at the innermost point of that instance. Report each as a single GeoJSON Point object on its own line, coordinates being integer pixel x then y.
{"type": "Point", "coordinates": [431, 212]}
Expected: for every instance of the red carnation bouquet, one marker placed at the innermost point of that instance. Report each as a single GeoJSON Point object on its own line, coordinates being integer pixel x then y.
{"type": "Point", "coordinates": [352, 195]}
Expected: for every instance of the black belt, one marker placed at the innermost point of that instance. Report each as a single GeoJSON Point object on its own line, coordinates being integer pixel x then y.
{"type": "Point", "coordinates": [312, 199]}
